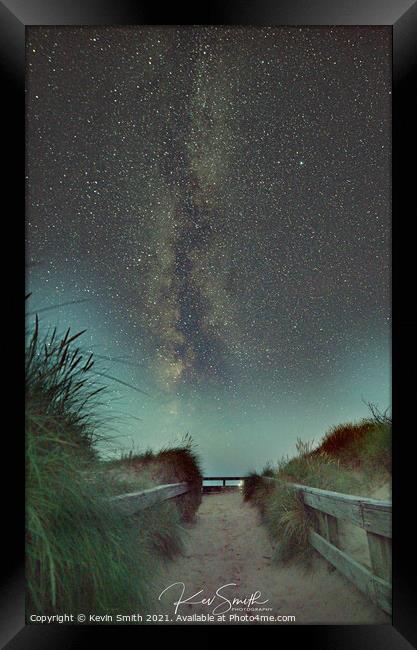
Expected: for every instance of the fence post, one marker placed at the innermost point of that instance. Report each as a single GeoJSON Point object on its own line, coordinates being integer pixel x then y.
{"type": "Point", "coordinates": [333, 530]}
{"type": "Point", "coordinates": [314, 515]}
{"type": "Point", "coordinates": [327, 527]}
{"type": "Point", "coordinates": [323, 527]}
{"type": "Point", "coordinates": [380, 554]}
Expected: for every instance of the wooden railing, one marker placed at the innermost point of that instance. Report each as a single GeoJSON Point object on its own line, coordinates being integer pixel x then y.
{"type": "Point", "coordinates": [374, 516]}
{"type": "Point", "coordinates": [224, 479]}
{"type": "Point", "coordinates": [134, 501]}
{"type": "Point", "coordinates": [326, 508]}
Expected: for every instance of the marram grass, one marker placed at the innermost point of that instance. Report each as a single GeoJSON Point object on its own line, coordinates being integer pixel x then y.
{"type": "Point", "coordinates": [350, 459]}
{"type": "Point", "coordinates": [82, 553]}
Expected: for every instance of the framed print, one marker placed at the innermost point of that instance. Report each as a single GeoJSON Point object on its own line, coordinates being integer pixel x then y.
{"type": "Point", "coordinates": [212, 326]}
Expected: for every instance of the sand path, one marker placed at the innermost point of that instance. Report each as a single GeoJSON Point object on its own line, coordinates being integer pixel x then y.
{"type": "Point", "coordinates": [227, 544]}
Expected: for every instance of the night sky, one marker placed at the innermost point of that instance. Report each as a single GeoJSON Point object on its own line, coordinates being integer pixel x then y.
{"type": "Point", "coordinates": [219, 200]}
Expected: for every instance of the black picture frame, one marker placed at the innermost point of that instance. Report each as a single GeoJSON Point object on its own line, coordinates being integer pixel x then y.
{"type": "Point", "coordinates": [15, 15]}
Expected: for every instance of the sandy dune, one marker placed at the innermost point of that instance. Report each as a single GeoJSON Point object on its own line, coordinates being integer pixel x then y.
{"type": "Point", "coordinates": [227, 544]}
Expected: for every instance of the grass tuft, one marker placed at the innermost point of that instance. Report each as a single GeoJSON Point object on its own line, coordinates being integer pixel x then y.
{"type": "Point", "coordinates": [83, 555]}
{"type": "Point", "coordinates": [61, 394]}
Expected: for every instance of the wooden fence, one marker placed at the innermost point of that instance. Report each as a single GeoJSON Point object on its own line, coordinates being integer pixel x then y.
{"type": "Point", "coordinates": [223, 479]}
{"type": "Point", "coordinates": [134, 501]}
{"type": "Point", "coordinates": [374, 516]}
{"type": "Point", "coordinates": [326, 508]}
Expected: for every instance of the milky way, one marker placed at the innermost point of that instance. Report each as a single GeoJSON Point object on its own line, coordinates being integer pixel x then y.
{"type": "Point", "coordinates": [222, 198]}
